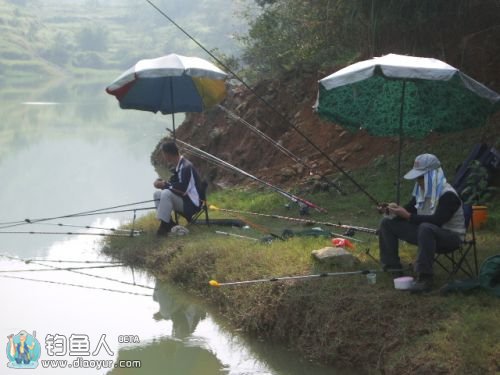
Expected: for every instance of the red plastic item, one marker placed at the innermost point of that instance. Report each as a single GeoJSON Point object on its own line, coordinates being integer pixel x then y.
{"type": "Point", "coordinates": [342, 242]}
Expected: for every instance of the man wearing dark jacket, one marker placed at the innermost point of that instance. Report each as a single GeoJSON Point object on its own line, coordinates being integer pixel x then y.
{"type": "Point", "coordinates": [182, 191]}
{"type": "Point", "coordinates": [433, 219]}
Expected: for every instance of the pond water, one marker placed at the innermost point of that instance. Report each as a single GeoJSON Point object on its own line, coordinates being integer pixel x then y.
{"type": "Point", "coordinates": [67, 148]}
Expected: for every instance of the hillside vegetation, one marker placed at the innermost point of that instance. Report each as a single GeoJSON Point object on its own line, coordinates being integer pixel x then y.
{"type": "Point", "coordinates": [50, 38]}
{"type": "Point", "coordinates": [289, 46]}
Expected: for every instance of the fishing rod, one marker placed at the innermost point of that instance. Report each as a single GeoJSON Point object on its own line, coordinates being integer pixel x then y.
{"type": "Point", "coordinates": [221, 163]}
{"type": "Point", "coordinates": [290, 196]}
{"type": "Point", "coordinates": [72, 233]}
{"type": "Point", "coordinates": [78, 214]}
{"type": "Point", "coordinates": [82, 273]}
{"type": "Point", "coordinates": [27, 261]}
{"type": "Point", "coordinates": [215, 283]}
{"type": "Point", "coordinates": [261, 134]}
{"type": "Point", "coordinates": [203, 157]}
{"type": "Point", "coordinates": [267, 104]}
{"type": "Point", "coordinates": [276, 144]}
{"type": "Point", "coordinates": [348, 234]}
{"type": "Point", "coordinates": [28, 221]}
{"type": "Point", "coordinates": [75, 285]}
{"type": "Point", "coordinates": [236, 235]}
{"type": "Point", "coordinates": [89, 227]}
{"type": "Point", "coordinates": [63, 269]}
{"type": "Point", "coordinates": [305, 221]}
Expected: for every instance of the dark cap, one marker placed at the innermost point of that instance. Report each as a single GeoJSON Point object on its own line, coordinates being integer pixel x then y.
{"type": "Point", "coordinates": [170, 148]}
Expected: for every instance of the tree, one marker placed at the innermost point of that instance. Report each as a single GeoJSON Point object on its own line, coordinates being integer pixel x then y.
{"type": "Point", "coordinates": [59, 49]}
{"type": "Point", "coordinates": [93, 38]}
{"type": "Point", "coordinates": [296, 34]}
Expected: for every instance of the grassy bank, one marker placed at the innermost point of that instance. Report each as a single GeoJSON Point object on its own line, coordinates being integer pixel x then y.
{"type": "Point", "coordinates": [338, 320]}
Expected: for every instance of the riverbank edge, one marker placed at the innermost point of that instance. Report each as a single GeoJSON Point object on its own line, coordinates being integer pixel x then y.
{"type": "Point", "coordinates": [342, 322]}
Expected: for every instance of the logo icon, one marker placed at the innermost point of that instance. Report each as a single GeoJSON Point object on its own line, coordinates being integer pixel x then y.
{"type": "Point", "coordinates": [23, 350]}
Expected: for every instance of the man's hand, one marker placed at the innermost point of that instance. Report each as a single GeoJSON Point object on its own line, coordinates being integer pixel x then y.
{"type": "Point", "coordinates": [396, 210]}
{"type": "Point", "coordinates": [159, 183]}
{"type": "Point", "coordinates": [382, 208]}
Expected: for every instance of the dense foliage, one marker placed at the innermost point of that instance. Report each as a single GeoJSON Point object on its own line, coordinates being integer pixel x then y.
{"type": "Point", "coordinates": [295, 34]}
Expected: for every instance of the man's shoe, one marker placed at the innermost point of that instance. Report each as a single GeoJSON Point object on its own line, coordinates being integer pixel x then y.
{"type": "Point", "coordinates": [164, 228]}
{"type": "Point", "coordinates": [423, 284]}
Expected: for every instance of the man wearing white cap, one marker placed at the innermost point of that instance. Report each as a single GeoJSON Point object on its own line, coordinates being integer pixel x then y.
{"type": "Point", "coordinates": [433, 219]}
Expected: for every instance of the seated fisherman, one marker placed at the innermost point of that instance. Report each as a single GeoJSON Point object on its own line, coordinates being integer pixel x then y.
{"type": "Point", "coordinates": [181, 193]}
{"type": "Point", "coordinates": [433, 219]}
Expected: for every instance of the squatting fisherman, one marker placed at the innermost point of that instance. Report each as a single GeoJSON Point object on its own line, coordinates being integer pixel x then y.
{"type": "Point", "coordinates": [433, 219]}
{"type": "Point", "coordinates": [182, 191]}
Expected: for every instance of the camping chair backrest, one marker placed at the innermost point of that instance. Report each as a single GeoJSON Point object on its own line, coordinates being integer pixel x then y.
{"type": "Point", "coordinates": [467, 215]}
{"type": "Point", "coordinates": [202, 192]}
{"type": "Point", "coordinates": [203, 203]}
{"type": "Point", "coordinates": [488, 157]}
{"type": "Point", "coordinates": [456, 260]}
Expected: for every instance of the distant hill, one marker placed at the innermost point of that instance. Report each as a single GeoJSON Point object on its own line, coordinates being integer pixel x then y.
{"type": "Point", "coordinates": [78, 37]}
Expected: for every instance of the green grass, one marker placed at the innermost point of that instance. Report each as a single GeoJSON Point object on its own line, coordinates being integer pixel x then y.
{"type": "Point", "coordinates": [337, 320]}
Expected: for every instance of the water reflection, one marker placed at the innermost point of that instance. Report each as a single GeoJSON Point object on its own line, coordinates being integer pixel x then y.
{"type": "Point", "coordinates": [85, 154]}
{"type": "Point", "coordinates": [168, 356]}
{"type": "Point", "coordinates": [184, 314]}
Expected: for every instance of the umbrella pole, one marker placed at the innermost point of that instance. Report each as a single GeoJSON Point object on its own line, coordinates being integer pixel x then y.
{"type": "Point", "coordinates": [400, 149]}
{"type": "Point", "coordinates": [172, 103]}
{"type": "Point", "coordinates": [173, 126]}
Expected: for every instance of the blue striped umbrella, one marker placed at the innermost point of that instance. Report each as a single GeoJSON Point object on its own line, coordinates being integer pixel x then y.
{"type": "Point", "coordinates": [170, 84]}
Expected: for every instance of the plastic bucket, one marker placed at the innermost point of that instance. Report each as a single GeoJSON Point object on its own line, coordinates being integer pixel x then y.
{"type": "Point", "coordinates": [479, 216]}
{"type": "Point", "coordinates": [371, 278]}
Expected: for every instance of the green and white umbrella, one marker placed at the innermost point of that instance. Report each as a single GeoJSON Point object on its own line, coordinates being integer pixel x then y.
{"type": "Point", "coordinates": [404, 96]}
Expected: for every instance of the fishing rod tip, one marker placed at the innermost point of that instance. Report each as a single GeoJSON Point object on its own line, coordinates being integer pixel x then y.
{"type": "Point", "coordinates": [214, 283]}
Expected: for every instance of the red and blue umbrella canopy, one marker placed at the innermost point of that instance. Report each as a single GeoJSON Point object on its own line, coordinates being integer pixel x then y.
{"type": "Point", "coordinates": [170, 84]}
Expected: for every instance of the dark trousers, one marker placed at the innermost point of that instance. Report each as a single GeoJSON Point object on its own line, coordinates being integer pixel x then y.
{"type": "Point", "coordinates": [428, 238]}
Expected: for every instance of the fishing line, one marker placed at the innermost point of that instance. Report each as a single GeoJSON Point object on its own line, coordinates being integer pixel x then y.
{"type": "Point", "coordinates": [290, 196]}
{"type": "Point", "coordinates": [76, 285]}
{"type": "Point", "coordinates": [276, 144]}
{"type": "Point", "coordinates": [267, 104]}
{"type": "Point", "coordinates": [85, 274]}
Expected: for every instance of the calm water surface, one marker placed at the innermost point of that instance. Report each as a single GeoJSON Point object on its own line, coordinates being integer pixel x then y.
{"type": "Point", "coordinates": [65, 149]}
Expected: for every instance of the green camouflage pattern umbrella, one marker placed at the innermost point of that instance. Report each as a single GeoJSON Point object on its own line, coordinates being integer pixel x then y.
{"type": "Point", "coordinates": [404, 96]}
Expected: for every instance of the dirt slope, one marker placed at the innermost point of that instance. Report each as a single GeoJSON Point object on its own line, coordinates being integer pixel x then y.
{"type": "Point", "coordinates": [292, 97]}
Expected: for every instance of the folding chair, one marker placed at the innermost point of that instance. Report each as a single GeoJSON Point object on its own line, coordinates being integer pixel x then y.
{"type": "Point", "coordinates": [203, 207]}
{"type": "Point", "coordinates": [204, 204]}
{"type": "Point", "coordinates": [456, 260]}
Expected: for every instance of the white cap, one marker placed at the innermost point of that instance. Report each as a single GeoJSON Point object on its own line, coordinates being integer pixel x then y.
{"type": "Point", "coordinates": [423, 164]}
